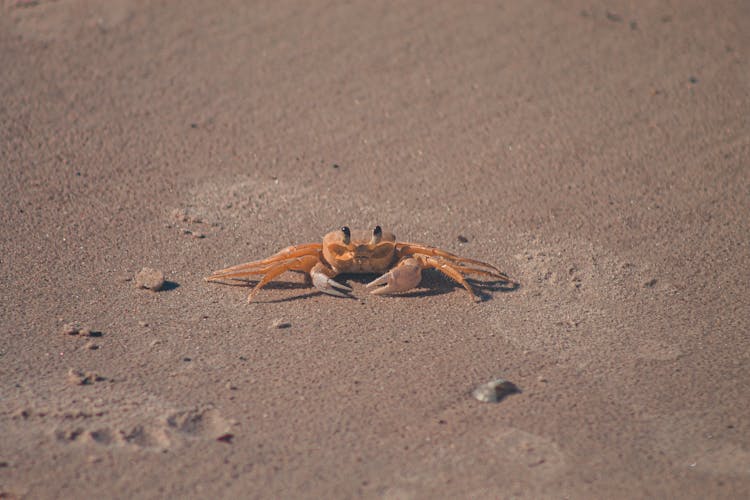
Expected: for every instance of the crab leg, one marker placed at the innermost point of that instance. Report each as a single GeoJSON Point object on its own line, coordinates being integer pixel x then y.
{"type": "Point", "coordinates": [297, 264]}
{"type": "Point", "coordinates": [449, 270]}
{"type": "Point", "coordinates": [239, 273]}
{"type": "Point", "coordinates": [415, 249]}
{"type": "Point", "coordinates": [242, 274]}
{"type": "Point", "coordinates": [286, 252]}
{"type": "Point", "coordinates": [474, 270]}
{"type": "Point", "coordinates": [248, 267]}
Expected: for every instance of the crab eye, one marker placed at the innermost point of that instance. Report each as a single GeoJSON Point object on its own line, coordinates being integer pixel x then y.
{"type": "Point", "coordinates": [347, 234]}
{"type": "Point", "coordinates": [377, 234]}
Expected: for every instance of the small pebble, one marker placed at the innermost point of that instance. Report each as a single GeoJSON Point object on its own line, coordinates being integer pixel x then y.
{"type": "Point", "coordinates": [91, 345]}
{"type": "Point", "coordinates": [226, 438]}
{"type": "Point", "coordinates": [151, 279]}
{"type": "Point", "coordinates": [78, 377]}
{"type": "Point", "coordinates": [195, 234]}
{"type": "Point", "coordinates": [182, 215]}
{"type": "Point", "coordinates": [494, 391]}
{"type": "Point", "coordinates": [71, 329]}
{"type": "Point", "coordinates": [22, 413]}
{"type": "Point", "coordinates": [79, 330]}
{"type": "Point", "coordinates": [614, 17]}
{"type": "Point", "coordinates": [231, 386]}
{"type": "Point", "coordinates": [650, 283]}
{"type": "Point", "coordinates": [462, 239]}
{"type": "Point", "coordinates": [280, 323]}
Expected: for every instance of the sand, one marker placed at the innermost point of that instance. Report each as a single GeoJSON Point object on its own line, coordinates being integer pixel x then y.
{"type": "Point", "coordinates": [596, 152]}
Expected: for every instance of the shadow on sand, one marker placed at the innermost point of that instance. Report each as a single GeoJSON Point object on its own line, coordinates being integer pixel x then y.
{"type": "Point", "coordinates": [433, 283]}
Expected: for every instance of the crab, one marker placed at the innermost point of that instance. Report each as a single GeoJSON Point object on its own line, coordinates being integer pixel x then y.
{"type": "Point", "coordinates": [346, 251]}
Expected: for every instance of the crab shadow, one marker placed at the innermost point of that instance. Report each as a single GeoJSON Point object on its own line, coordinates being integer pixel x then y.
{"type": "Point", "coordinates": [437, 284]}
{"type": "Point", "coordinates": [433, 283]}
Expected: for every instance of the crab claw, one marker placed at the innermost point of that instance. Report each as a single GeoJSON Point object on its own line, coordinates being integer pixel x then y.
{"type": "Point", "coordinates": [327, 285]}
{"type": "Point", "coordinates": [406, 276]}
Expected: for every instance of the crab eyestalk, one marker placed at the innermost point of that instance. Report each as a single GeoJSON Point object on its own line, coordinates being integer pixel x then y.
{"type": "Point", "coordinates": [377, 235]}
{"type": "Point", "coordinates": [347, 234]}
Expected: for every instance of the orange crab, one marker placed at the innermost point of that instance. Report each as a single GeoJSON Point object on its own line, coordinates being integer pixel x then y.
{"type": "Point", "coordinates": [346, 251]}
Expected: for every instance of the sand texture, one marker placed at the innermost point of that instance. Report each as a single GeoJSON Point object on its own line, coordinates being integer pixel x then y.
{"type": "Point", "coordinates": [597, 152]}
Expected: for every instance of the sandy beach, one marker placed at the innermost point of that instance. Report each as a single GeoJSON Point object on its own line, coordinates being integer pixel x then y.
{"type": "Point", "coordinates": [596, 152]}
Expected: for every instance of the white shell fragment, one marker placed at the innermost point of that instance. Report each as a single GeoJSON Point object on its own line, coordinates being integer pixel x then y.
{"type": "Point", "coordinates": [494, 391]}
